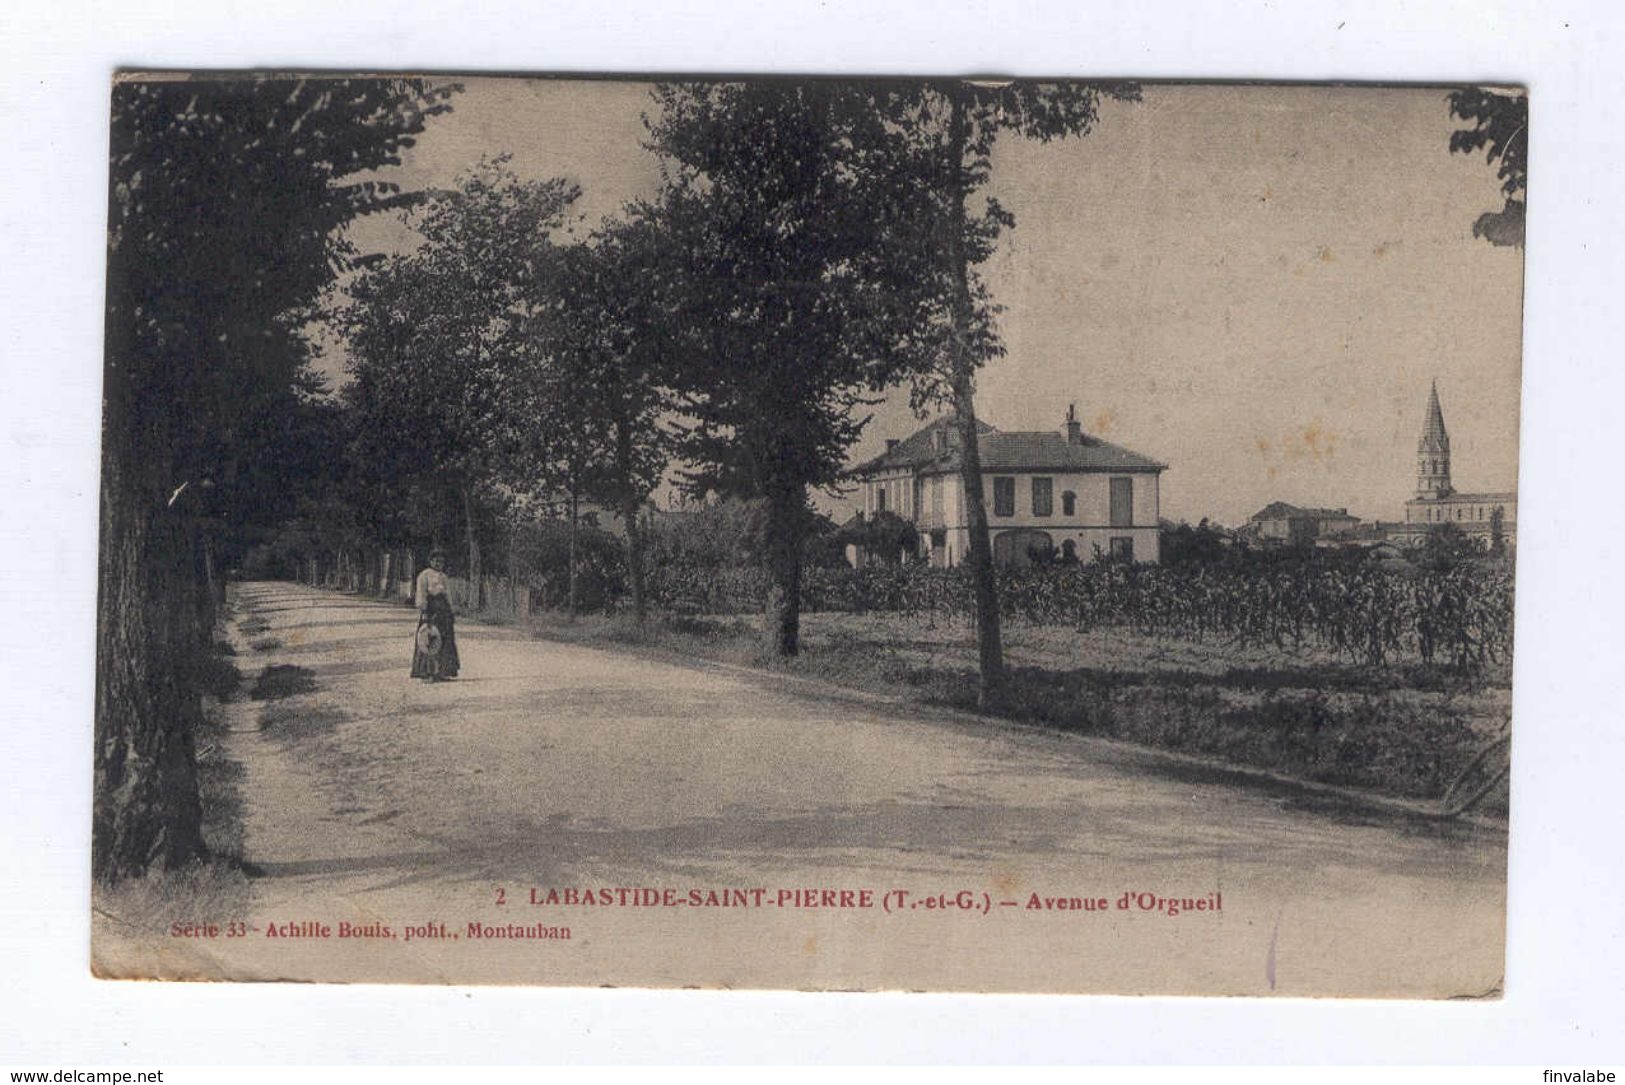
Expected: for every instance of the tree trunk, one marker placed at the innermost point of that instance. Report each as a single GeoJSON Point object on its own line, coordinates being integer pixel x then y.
{"type": "Point", "coordinates": [513, 565]}
{"type": "Point", "coordinates": [630, 504]}
{"type": "Point", "coordinates": [989, 642]}
{"type": "Point", "coordinates": [146, 810]}
{"type": "Point", "coordinates": [962, 384]}
{"type": "Point", "coordinates": [570, 598]}
{"type": "Point", "coordinates": [631, 507]}
{"type": "Point", "coordinates": [475, 571]}
{"type": "Point", "coordinates": [785, 510]}
{"type": "Point", "coordinates": [214, 593]}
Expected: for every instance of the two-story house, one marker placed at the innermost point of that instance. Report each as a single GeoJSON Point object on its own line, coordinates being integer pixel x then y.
{"type": "Point", "coordinates": [1050, 495]}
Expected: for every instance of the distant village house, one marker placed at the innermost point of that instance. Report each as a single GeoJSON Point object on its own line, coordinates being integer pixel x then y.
{"type": "Point", "coordinates": [1283, 523]}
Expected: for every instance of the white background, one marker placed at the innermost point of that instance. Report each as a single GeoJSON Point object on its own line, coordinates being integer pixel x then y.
{"type": "Point", "coordinates": [1567, 901]}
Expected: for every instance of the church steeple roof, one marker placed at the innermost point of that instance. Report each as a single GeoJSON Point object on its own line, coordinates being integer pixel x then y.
{"type": "Point", "coordinates": [1434, 437]}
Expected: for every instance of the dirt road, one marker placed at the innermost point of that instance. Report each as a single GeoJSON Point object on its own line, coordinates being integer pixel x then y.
{"type": "Point", "coordinates": [388, 804]}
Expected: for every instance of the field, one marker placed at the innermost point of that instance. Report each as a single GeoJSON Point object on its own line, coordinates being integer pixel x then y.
{"type": "Point", "coordinates": [1363, 611]}
{"type": "Point", "coordinates": [1402, 730]}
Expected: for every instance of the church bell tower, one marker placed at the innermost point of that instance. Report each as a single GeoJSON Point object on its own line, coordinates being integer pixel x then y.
{"type": "Point", "coordinates": [1433, 452]}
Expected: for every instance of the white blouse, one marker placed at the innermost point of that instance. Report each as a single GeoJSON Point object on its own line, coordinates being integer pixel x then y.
{"type": "Point", "coordinates": [431, 582]}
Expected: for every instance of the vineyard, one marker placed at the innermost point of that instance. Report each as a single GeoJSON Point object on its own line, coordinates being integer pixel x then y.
{"type": "Point", "coordinates": [1367, 613]}
{"type": "Point", "coordinates": [1385, 676]}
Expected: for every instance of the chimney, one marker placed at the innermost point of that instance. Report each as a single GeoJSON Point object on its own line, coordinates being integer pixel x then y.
{"type": "Point", "coordinates": [1074, 432]}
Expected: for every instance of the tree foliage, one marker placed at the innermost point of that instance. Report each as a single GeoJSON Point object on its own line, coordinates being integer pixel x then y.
{"type": "Point", "coordinates": [885, 536]}
{"type": "Point", "coordinates": [1499, 127]}
{"type": "Point", "coordinates": [440, 342]}
{"type": "Point", "coordinates": [1182, 544]}
{"type": "Point", "coordinates": [1446, 546]}
{"type": "Point", "coordinates": [608, 338]}
{"type": "Point", "coordinates": [600, 383]}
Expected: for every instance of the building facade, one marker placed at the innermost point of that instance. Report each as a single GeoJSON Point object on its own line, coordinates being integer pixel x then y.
{"type": "Point", "coordinates": [1050, 495]}
{"type": "Point", "coordinates": [1283, 523]}
{"type": "Point", "coordinates": [1437, 502]}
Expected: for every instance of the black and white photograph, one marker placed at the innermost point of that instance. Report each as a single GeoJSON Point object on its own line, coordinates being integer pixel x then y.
{"type": "Point", "coordinates": [809, 533]}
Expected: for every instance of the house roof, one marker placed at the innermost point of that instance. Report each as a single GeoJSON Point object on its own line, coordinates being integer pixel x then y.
{"type": "Point", "coordinates": [1043, 450]}
{"type": "Point", "coordinates": [917, 450]}
{"type": "Point", "coordinates": [1046, 451]}
{"type": "Point", "coordinates": [1280, 510]}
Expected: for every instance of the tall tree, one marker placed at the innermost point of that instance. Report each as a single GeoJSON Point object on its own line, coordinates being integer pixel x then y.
{"type": "Point", "coordinates": [437, 336]}
{"type": "Point", "coordinates": [1500, 128]}
{"type": "Point", "coordinates": [969, 117]}
{"type": "Point", "coordinates": [561, 450]}
{"type": "Point", "coordinates": [603, 343]}
{"type": "Point", "coordinates": [802, 285]}
{"type": "Point", "coordinates": [225, 199]}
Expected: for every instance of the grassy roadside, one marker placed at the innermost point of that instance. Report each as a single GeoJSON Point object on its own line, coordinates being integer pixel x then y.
{"type": "Point", "coordinates": [133, 911]}
{"type": "Point", "coordinates": [1404, 731]}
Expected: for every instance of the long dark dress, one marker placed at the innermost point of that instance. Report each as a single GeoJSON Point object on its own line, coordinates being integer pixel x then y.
{"type": "Point", "coordinates": [446, 664]}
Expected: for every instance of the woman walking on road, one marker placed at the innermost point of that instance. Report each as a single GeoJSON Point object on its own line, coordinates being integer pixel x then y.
{"type": "Point", "coordinates": [434, 610]}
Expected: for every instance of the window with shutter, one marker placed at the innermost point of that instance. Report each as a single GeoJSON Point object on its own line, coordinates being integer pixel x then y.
{"type": "Point", "coordinates": [1122, 502]}
{"type": "Point", "coordinates": [1004, 497]}
{"type": "Point", "coordinates": [1043, 497]}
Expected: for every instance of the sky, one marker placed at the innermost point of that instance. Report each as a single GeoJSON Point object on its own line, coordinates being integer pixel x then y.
{"type": "Point", "coordinates": [1252, 284]}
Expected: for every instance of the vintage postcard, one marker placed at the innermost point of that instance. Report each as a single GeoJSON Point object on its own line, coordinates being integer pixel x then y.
{"type": "Point", "coordinates": [827, 534]}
